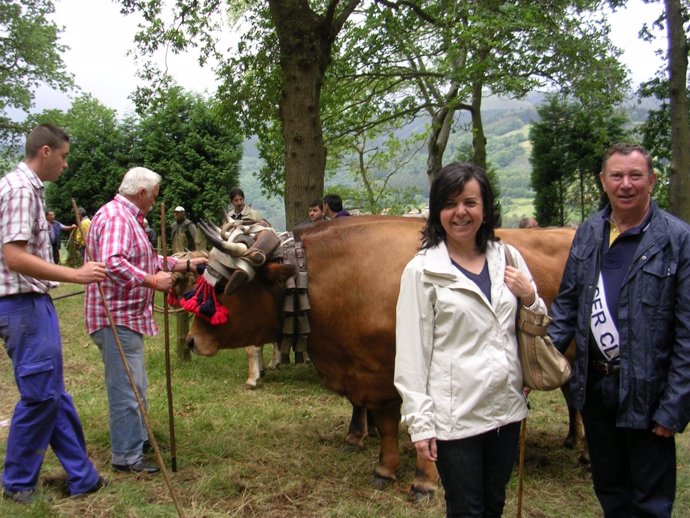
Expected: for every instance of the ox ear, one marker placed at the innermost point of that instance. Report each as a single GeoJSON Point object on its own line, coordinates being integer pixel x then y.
{"type": "Point", "coordinates": [277, 273]}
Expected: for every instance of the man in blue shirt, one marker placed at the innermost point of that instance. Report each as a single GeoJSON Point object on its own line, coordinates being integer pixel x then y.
{"type": "Point", "coordinates": [55, 227]}
{"type": "Point", "coordinates": [625, 299]}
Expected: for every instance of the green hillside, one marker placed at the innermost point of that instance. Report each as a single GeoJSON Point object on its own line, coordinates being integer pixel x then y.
{"type": "Point", "coordinates": [506, 123]}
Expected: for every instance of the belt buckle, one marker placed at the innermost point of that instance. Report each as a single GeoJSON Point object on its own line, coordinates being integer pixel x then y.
{"type": "Point", "coordinates": [605, 368]}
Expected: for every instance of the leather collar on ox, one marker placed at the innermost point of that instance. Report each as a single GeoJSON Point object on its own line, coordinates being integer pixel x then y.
{"type": "Point", "coordinates": [354, 267]}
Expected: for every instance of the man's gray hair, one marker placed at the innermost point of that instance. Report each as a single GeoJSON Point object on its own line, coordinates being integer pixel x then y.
{"type": "Point", "coordinates": [138, 178]}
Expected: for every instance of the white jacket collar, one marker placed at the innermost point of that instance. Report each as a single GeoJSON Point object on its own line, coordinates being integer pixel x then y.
{"type": "Point", "coordinates": [437, 263]}
{"type": "Point", "coordinates": [437, 260]}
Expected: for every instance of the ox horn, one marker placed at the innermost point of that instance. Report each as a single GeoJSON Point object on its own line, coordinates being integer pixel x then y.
{"type": "Point", "coordinates": [212, 233]}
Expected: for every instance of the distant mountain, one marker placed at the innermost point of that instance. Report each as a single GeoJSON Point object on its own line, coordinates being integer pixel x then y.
{"type": "Point", "coordinates": [506, 123]}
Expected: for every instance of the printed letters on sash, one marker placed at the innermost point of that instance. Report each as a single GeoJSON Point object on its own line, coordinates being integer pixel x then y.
{"type": "Point", "coordinates": [602, 325]}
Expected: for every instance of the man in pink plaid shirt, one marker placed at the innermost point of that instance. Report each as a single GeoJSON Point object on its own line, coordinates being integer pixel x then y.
{"type": "Point", "coordinates": [117, 237]}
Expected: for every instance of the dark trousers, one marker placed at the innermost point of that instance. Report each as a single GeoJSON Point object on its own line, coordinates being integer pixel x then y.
{"type": "Point", "coordinates": [56, 252]}
{"type": "Point", "coordinates": [634, 471]}
{"type": "Point", "coordinates": [45, 414]}
{"type": "Point", "coordinates": [476, 470]}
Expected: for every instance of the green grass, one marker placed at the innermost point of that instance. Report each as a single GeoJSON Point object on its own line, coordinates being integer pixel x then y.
{"type": "Point", "coordinates": [273, 452]}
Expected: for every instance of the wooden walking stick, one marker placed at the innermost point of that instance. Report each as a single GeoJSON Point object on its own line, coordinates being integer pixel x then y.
{"type": "Point", "coordinates": [130, 377]}
{"type": "Point", "coordinates": [521, 465]}
{"type": "Point", "coordinates": [166, 334]}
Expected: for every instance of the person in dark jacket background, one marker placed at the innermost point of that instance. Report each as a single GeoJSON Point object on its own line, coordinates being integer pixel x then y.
{"type": "Point", "coordinates": [625, 299]}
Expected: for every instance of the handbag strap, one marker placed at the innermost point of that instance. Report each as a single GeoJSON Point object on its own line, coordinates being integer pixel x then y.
{"type": "Point", "coordinates": [510, 259]}
{"type": "Point", "coordinates": [530, 327]}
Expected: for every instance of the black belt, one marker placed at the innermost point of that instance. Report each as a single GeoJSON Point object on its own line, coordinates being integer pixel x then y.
{"type": "Point", "coordinates": [22, 295]}
{"type": "Point", "coordinates": [604, 368]}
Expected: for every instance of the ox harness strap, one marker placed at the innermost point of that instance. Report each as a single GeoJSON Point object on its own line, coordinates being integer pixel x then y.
{"type": "Point", "coordinates": [296, 326]}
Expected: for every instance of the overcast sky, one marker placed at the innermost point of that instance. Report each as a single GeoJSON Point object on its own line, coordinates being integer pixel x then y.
{"type": "Point", "coordinates": [99, 38]}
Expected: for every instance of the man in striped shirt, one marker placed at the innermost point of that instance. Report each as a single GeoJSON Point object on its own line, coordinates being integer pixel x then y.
{"type": "Point", "coordinates": [45, 414]}
{"type": "Point", "coordinates": [133, 271]}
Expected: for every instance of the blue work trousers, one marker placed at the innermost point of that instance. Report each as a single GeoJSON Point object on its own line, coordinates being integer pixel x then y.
{"type": "Point", "coordinates": [45, 414]}
{"type": "Point", "coordinates": [127, 428]}
{"type": "Point", "coordinates": [475, 471]}
{"type": "Point", "coordinates": [633, 471]}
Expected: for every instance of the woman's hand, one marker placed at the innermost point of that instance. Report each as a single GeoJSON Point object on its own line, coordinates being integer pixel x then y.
{"type": "Point", "coordinates": [426, 449]}
{"type": "Point", "coordinates": [519, 285]}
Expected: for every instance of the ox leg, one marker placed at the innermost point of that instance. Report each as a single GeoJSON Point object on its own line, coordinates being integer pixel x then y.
{"type": "Point", "coordinates": [357, 431]}
{"type": "Point", "coordinates": [426, 476]}
{"type": "Point", "coordinates": [181, 331]}
{"type": "Point", "coordinates": [387, 419]}
{"type": "Point", "coordinates": [371, 425]}
{"type": "Point", "coordinates": [576, 430]}
{"type": "Point", "coordinates": [584, 453]}
{"type": "Point", "coordinates": [275, 357]}
{"type": "Point", "coordinates": [254, 365]}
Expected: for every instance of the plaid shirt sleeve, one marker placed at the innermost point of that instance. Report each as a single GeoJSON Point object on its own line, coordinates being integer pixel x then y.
{"type": "Point", "coordinates": [16, 216]}
{"type": "Point", "coordinates": [116, 239]}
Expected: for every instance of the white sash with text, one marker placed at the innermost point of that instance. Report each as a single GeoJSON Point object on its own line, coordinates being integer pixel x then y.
{"type": "Point", "coordinates": [602, 325]}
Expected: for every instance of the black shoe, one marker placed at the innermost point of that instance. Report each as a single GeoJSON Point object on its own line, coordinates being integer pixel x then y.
{"type": "Point", "coordinates": [102, 482]}
{"type": "Point", "coordinates": [138, 467]}
{"type": "Point", "coordinates": [21, 497]}
{"type": "Point", "coordinates": [147, 447]}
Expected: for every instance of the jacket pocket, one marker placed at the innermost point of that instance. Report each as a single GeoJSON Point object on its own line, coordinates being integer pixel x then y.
{"type": "Point", "coordinates": [36, 380]}
{"type": "Point", "coordinates": [657, 284]}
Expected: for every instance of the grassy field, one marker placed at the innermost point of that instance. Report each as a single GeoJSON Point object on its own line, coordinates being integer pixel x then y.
{"type": "Point", "coordinates": [273, 452]}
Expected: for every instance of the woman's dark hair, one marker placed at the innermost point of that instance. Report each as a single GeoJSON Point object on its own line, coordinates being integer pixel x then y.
{"type": "Point", "coordinates": [449, 183]}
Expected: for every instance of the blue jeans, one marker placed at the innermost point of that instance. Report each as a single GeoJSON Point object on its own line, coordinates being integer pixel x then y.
{"type": "Point", "coordinates": [475, 471]}
{"type": "Point", "coordinates": [127, 429]}
{"type": "Point", "coordinates": [633, 471]}
{"type": "Point", "coordinates": [45, 414]}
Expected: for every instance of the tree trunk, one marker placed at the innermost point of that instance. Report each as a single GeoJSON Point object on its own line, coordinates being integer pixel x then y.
{"type": "Point", "coordinates": [478, 137]}
{"type": "Point", "coordinates": [438, 140]}
{"type": "Point", "coordinates": [306, 42]}
{"type": "Point", "coordinates": [678, 103]}
{"type": "Point", "coordinates": [305, 153]}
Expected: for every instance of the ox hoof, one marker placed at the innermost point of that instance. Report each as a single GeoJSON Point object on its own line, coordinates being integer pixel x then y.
{"type": "Point", "coordinates": [249, 386]}
{"type": "Point", "coordinates": [380, 482]}
{"type": "Point", "coordinates": [418, 494]}
{"type": "Point", "coordinates": [351, 448]}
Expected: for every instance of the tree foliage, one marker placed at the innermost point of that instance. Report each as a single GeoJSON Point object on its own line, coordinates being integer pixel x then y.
{"type": "Point", "coordinates": [29, 57]}
{"type": "Point", "coordinates": [655, 133]}
{"type": "Point", "coordinates": [196, 150]}
{"type": "Point", "coordinates": [99, 155]}
{"type": "Point", "coordinates": [397, 65]}
{"type": "Point", "coordinates": [182, 137]}
{"type": "Point", "coordinates": [310, 78]}
{"type": "Point", "coordinates": [567, 145]}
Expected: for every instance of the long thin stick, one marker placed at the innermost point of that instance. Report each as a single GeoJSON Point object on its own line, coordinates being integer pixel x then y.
{"type": "Point", "coordinates": [68, 295]}
{"type": "Point", "coordinates": [166, 334]}
{"type": "Point", "coordinates": [132, 384]}
{"type": "Point", "coordinates": [521, 465]}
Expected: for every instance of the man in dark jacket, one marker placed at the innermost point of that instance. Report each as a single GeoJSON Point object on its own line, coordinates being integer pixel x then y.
{"type": "Point", "coordinates": [625, 299]}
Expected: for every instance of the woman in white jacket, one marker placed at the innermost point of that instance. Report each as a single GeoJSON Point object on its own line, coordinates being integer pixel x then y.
{"type": "Point", "coordinates": [456, 365]}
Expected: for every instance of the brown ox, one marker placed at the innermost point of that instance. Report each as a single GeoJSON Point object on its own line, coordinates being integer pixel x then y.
{"type": "Point", "coordinates": [186, 281]}
{"type": "Point", "coordinates": [354, 266]}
